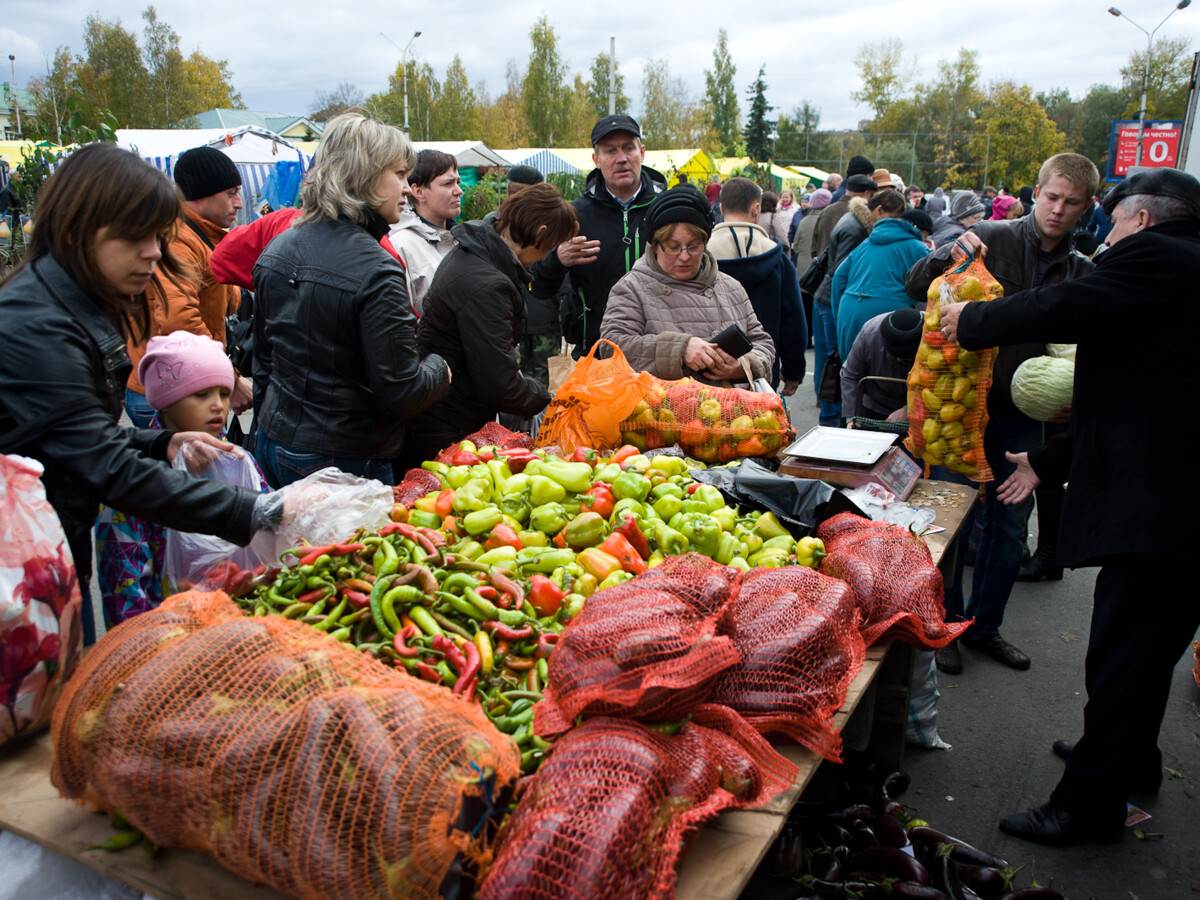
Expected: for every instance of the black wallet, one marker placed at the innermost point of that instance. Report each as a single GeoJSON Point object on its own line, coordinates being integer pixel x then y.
{"type": "Point", "coordinates": [734, 341]}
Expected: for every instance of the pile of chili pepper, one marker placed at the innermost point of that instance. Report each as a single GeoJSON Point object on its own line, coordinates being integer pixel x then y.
{"type": "Point", "coordinates": [400, 595]}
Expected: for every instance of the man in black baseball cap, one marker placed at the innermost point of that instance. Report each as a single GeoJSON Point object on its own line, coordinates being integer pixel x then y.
{"type": "Point", "coordinates": [612, 233]}
{"type": "Point", "coordinates": [1124, 441]}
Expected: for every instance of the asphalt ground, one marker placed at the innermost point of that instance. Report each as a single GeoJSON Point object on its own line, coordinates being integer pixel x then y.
{"type": "Point", "coordinates": [1001, 723]}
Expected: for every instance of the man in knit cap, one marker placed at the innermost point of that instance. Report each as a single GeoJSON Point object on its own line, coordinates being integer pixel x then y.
{"type": "Point", "coordinates": [211, 189]}
{"type": "Point", "coordinates": [965, 210]}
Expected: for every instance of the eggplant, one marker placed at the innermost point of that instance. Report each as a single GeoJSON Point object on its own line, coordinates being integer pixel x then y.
{"type": "Point", "coordinates": [891, 831]}
{"type": "Point", "coordinates": [1031, 893]}
{"type": "Point", "coordinates": [789, 854]}
{"type": "Point", "coordinates": [906, 891]}
{"type": "Point", "coordinates": [831, 833]}
{"type": "Point", "coordinates": [862, 831]}
{"type": "Point", "coordinates": [946, 874]}
{"type": "Point", "coordinates": [962, 851]}
{"type": "Point", "coordinates": [987, 881]}
{"type": "Point", "coordinates": [891, 862]}
{"type": "Point", "coordinates": [894, 785]}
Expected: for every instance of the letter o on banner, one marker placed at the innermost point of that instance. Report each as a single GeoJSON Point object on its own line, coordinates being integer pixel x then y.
{"type": "Point", "coordinates": [1158, 151]}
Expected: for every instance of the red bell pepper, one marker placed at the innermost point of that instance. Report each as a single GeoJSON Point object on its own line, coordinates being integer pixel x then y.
{"type": "Point", "coordinates": [464, 458]}
{"type": "Point", "coordinates": [598, 498]}
{"type": "Point", "coordinates": [503, 535]}
{"type": "Point", "coordinates": [486, 454]}
{"type": "Point", "coordinates": [444, 504]}
{"type": "Point", "coordinates": [583, 454]}
{"type": "Point", "coordinates": [518, 461]}
{"type": "Point", "coordinates": [633, 533]}
{"type": "Point", "coordinates": [545, 596]}
{"type": "Point", "coordinates": [617, 545]}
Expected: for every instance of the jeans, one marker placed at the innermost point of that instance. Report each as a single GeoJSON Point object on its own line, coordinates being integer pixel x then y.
{"type": "Point", "coordinates": [140, 412]}
{"type": "Point", "coordinates": [999, 558]}
{"type": "Point", "coordinates": [282, 465]}
{"type": "Point", "coordinates": [824, 343]}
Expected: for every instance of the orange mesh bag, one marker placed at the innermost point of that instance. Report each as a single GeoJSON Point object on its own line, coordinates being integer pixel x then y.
{"type": "Point", "coordinates": [797, 633]}
{"type": "Point", "coordinates": [493, 434]}
{"type": "Point", "coordinates": [588, 408]}
{"type": "Point", "coordinates": [948, 386]}
{"type": "Point", "coordinates": [899, 589]}
{"type": "Point", "coordinates": [614, 807]}
{"type": "Point", "coordinates": [649, 648]}
{"type": "Point", "coordinates": [712, 424]}
{"type": "Point", "coordinates": [294, 760]}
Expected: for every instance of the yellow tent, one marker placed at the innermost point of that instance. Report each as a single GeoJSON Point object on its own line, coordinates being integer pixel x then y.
{"type": "Point", "coordinates": [15, 152]}
{"type": "Point", "coordinates": [693, 162]}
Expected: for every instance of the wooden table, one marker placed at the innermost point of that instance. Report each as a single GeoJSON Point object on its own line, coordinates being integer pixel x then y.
{"type": "Point", "coordinates": [721, 861]}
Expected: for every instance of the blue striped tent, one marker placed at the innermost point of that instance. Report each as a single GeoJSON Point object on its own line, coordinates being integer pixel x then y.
{"type": "Point", "coordinates": [544, 160]}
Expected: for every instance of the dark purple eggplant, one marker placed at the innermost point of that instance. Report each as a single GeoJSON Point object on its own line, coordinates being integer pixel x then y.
{"type": "Point", "coordinates": [945, 873]}
{"type": "Point", "coordinates": [891, 831]}
{"type": "Point", "coordinates": [1030, 893]}
{"type": "Point", "coordinates": [789, 854]}
{"type": "Point", "coordinates": [891, 862]}
{"type": "Point", "coordinates": [905, 891]}
{"type": "Point", "coordinates": [863, 889]}
{"type": "Point", "coordinates": [894, 785]}
{"type": "Point", "coordinates": [848, 814]}
{"type": "Point", "coordinates": [831, 833]}
{"type": "Point", "coordinates": [863, 833]}
{"type": "Point", "coordinates": [987, 881]}
{"type": "Point", "coordinates": [963, 852]}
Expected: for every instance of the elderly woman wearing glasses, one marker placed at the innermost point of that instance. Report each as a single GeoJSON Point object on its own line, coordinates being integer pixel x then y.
{"type": "Point", "coordinates": [664, 313]}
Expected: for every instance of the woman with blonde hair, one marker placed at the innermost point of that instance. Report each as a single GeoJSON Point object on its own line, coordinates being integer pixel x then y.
{"type": "Point", "coordinates": [336, 368]}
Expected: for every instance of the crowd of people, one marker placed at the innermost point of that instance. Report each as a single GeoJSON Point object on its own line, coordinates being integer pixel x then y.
{"type": "Point", "coordinates": [368, 329]}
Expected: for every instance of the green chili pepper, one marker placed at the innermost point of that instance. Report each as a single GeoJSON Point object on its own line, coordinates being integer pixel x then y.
{"type": "Point", "coordinates": [121, 841]}
{"type": "Point", "coordinates": [424, 620]}
{"type": "Point", "coordinates": [376, 605]}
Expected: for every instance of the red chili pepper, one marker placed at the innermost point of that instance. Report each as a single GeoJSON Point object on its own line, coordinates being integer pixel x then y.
{"type": "Point", "coordinates": [518, 461]}
{"type": "Point", "coordinates": [502, 631]}
{"type": "Point", "coordinates": [429, 673]}
{"type": "Point", "coordinates": [507, 586]}
{"type": "Point", "coordinates": [405, 634]}
{"type": "Point", "coordinates": [503, 535]}
{"type": "Point", "coordinates": [598, 498]}
{"type": "Point", "coordinates": [435, 537]}
{"type": "Point", "coordinates": [450, 650]}
{"type": "Point", "coordinates": [545, 644]}
{"type": "Point", "coordinates": [487, 454]}
{"type": "Point", "coordinates": [312, 596]}
{"type": "Point", "coordinates": [470, 668]}
{"type": "Point", "coordinates": [363, 584]}
{"type": "Point", "coordinates": [311, 554]}
{"type": "Point", "coordinates": [469, 693]}
{"type": "Point", "coordinates": [487, 592]}
{"type": "Point", "coordinates": [357, 598]}
{"type": "Point", "coordinates": [347, 549]}
{"type": "Point", "coordinates": [464, 458]}
{"type": "Point", "coordinates": [444, 504]}
{"type": "Point", "coordinates": [391, 528]}
{"type": "Point", "coordinates": [633, 533]}
{"type": "Point", "coordinates": [545, 596]}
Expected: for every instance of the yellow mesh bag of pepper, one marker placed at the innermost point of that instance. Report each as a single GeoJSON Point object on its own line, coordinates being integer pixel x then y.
{"type": "Point", "coordinates": [948, 386]}
{"type": "Point", "coordinates": [712, 424]}
{"type": "Point", "coordinates": [293, 759]}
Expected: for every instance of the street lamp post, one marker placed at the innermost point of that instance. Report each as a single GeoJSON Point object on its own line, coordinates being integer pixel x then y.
{"type": "Point", "coordinates": [1113, 11]}
{"type": "Point", "coordinates": [404, 62]}
{"type": "Point", "coordinates": [13, 88]}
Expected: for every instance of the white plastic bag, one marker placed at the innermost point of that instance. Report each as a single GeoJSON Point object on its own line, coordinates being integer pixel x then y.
{"type": "Point", "coordinates": [199, 560]}
{"type": "Point", "coordinates": [327, 506]}
{"type": "Point", "coordinates": [41, 625]}
{"type": "Point", "coordinates": [922, 704]}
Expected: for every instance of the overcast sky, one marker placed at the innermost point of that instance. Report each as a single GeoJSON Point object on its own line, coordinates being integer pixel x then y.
{"type": "Point", "coordinates": [283, 53]}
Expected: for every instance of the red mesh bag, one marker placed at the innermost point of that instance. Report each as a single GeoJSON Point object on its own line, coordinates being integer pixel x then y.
{"type": "Point", "coordinates": [712, 424]}
{"type": "Point", "coordinates": [294, 760]}
{"type": "Point", "coordinates": [613, 808]}
{"type": "Point", "coordinates": [800, 645]}
{"type": "Point", "coordinates": [493, 434]}
{"type": "Point", "coordinates": [899, 588]}
{"type": "Point", "coordinates": [416, 484]}
{"type": "Point", "coordinates": [649, 648]}
{"type": "Point", "coordinates": [948, 386]}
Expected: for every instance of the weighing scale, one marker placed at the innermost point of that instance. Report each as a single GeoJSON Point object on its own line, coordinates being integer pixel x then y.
{"type": "Point", "coordinates": [852, 458]}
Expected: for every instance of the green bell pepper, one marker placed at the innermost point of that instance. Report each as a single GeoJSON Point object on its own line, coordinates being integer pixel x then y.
{"type": "Point", "coordinates": [668, 465]}
{"type": "Point", "coordinates": [617, 577]}
{"type": "Point", "coordinates": [544, 560]}
{"type": "Point", "coordinates": [771, 559]}
{"type": "Point", "coordinates": [668, 505]}
{"type": "Point", "coordinates": [516, 485]}
{"type": "Point", "coordinates": [543, 490]}
{"type": "Point", "coordinates": [549, 518]}
{"type": "Point", "coordinates": [608, 473]}
{"type": "Point", "coordinates": [727, 516]}
{"type": "Point", "coordinates": [630, 507]}
{"type": "Point", "coordinates": [670, 541]}
{"type": "Point", "coordinates": [575, 477]}
{"type": "Point", "coordinates": [500, 472]}
{"type": "Point", "coordinates": [516, 506]}
{"type": "Point", "coordinates": [666, 489]}
{"type": "Point", "coordinates": [457, 476]}
{"type": "Point", "coordinates": [472, 495]}
{"type": "Point", "coordinates": [702, 531]}
{"type": "Point", "coordinates": [419, 519]}
{"type": "Point", "coordinates": [783, 542]}
{"type": "Point", "coordinates": [533, 539]}
{"type": "Point", "coordinates": [629, 485]}
{"type": "Point", "coordinates": [727, 548]}
{"type": "Point", "coordinates": [502, 556]}
{"type": "Point", "coordinates": [586, 530]}
{"type": "Point", "coordinates": [769, 526]}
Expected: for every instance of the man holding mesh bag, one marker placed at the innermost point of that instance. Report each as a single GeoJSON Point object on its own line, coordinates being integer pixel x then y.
{"type": "Point", "coordinates": [1021, 253]}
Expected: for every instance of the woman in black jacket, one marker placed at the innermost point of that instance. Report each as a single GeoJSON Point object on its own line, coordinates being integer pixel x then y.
{"type": "Point", "coordinates": [337, 374]}
{"type": "Point", "coordinates": [103, 226]}
{"type": "Point", "coordinates": [474, 316]}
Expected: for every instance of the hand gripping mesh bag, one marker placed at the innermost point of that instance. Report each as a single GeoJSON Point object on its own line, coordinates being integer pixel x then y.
{"type": "Point", "coordinates": [899, 589]}
{"type": "Point", "coordinates": [294, 760]}
{"type": "Point", "coordinates": [797, 633]}
{"type": "Point", "coordinates": [648, 649]}
{"type": "Point", "coordinates": [612, 810]}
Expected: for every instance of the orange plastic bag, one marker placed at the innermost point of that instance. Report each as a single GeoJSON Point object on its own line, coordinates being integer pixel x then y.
{"type": "Point", "coordinates": [712, 424]}
{"type": "Point", "coordinates": [588, 409]}
{"type": "Point", "coordinates": [948, 386]}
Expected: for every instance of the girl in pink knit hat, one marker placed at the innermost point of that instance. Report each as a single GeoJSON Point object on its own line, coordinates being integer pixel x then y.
{"type": "Point", "coordinates": [188, 380]}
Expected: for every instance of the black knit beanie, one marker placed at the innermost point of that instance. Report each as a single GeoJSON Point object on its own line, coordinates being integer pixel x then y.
{"type": "Point", "coordinates": [682, 203]}
{"type": "Point", "coordinates": [859, 165]}
{"type": "Point", "coordinates": [204, 171]}
{"type": "Point", "coordinates": [901, 333]}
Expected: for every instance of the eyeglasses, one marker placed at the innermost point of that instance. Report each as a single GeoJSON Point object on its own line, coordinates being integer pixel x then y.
{"type": "Point", "coordinates": [670, 248]}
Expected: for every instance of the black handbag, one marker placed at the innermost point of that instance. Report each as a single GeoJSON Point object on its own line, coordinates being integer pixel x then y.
{"type": "Point", "coordinates": [815, 273]}
{"type": "Point", "coordinates": [830, 390]}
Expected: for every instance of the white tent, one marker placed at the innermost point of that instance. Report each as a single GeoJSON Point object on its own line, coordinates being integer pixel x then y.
{"type": "Point", "coordinates": [468, 154]}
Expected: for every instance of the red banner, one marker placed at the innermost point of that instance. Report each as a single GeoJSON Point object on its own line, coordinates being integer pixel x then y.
{"type": "Point", "coordinates": [1160, 146]}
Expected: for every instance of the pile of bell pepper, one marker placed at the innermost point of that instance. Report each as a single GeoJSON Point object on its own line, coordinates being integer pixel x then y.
{"type": "Point", "coordinates": [472, 584]}
{"type": "Point", "coordinates": [712, 424]}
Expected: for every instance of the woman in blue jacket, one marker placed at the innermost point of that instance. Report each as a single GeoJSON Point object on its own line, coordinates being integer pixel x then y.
{"type": "Point", "coordinates": [870, 281]}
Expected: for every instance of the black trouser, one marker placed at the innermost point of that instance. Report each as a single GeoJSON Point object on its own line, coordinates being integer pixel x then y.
{"type": "Point", "coordinates": [1145, 616]}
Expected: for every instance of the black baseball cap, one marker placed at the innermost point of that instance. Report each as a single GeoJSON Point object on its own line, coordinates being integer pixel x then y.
{"type": "Point", "coordinates": [607, 125]}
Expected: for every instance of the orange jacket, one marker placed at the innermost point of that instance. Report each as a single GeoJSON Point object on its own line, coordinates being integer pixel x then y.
{"type": "Point", "coordinates": [203, 306]}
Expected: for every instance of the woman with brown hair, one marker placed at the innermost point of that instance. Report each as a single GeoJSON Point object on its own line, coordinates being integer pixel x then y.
{"type": "Point", "coordinates": [422, 236]}
{"type": "Point", "coordinates": [475, 316]}
{"type": "Point", "coordinates": [103, 223]}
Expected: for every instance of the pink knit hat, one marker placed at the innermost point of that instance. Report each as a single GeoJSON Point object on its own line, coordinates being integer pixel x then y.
{"type": "Point", "coordinates": [181, 363]}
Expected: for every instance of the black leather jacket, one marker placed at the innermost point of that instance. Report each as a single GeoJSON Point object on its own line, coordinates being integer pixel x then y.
{"type": "Point", "coordinates": [63, 368]}
{"type": "Point", "coordinates": [336, 370]}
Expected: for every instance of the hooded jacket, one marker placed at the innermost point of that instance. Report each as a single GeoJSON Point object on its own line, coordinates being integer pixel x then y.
{"type": "Point", "coordinates": [474, 318]}
{"type": "Point", "coordinates": [850, 231]}
{"type": "Point", "coordinates": [63, 368]}
{"type": "Point", "coordinates": [871, 280]}
{"type": "Point", "coordinates": [622, 242]}
{"type": "Point", "coordinates": [652, 316]}
{"type": "Point", "coordinates": [421, 247]}
{"type": "Point", "coordinates": [761, 266]}
{"type": "Point", "coordinates": [1014, 249]}
{"type": "Point", "coordinates": [336, 368]}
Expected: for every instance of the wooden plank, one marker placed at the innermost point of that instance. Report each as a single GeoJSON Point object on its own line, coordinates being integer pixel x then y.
{"type": "Point", "coordinates": [31, 808]}
{"type": "Point", "coordinates": [948, 516]}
